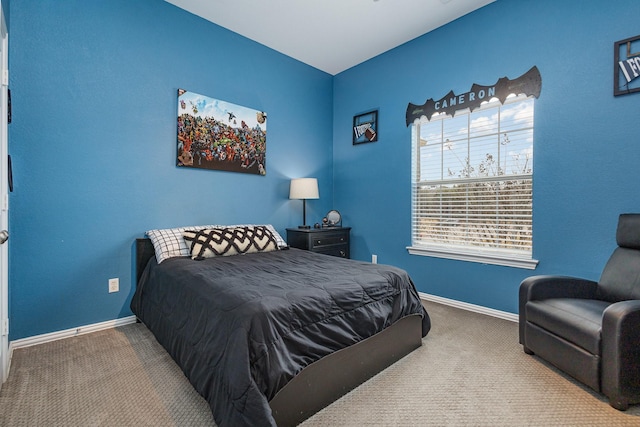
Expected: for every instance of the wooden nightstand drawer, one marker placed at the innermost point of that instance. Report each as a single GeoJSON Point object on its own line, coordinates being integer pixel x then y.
{"type": "Point", "coordinates": [335, 239]}
{"type": "Point", "coordinates": [335, 250]}
{"type": "Point", "coordinates": [330, 241]}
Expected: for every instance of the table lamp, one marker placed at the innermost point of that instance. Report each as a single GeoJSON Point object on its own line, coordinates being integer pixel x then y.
{"type": "Point", "coordinates": [304, 188]}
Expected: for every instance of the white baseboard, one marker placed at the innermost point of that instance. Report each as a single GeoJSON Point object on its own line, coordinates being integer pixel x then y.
{"type": "Point", "coordinates": [53, 336]}
{"type": "Point", "coordinates": [67, 333]}
{"type": "Point", "coordinates": [470, 307]}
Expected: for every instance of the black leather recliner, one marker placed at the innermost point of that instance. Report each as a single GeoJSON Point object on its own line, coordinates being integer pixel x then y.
{"type": "Point", "coordinates": [591, 330]}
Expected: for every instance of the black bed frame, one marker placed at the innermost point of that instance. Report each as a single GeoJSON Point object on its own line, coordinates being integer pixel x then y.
{"type": "Point", "coordinates": [333, 376]}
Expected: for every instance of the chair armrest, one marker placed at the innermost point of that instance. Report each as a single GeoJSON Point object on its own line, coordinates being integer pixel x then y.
{"type": "Point", "coordinates": [544, 287]}
{"type": "Point", "coordinates": [621, 350]}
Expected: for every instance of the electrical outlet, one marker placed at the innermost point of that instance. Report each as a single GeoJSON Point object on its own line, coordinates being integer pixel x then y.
{"type": "Point", "coordinates": [374, 259]}
{"type": "Point", "coordinates": [114, 285]}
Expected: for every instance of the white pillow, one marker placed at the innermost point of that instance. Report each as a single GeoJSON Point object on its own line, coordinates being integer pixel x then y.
{"type": "Point", "coordinates": [169, 243]}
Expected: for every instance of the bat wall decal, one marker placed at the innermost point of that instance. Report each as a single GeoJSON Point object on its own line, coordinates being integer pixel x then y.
{"type": "Point", "coordinates": [529, 83]}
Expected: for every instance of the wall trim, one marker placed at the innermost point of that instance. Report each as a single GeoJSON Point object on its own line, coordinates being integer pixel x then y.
{"type": "Point", "coordinates": [470, 307]}
{"type": "Point", "coordinates": [67, 333]}
{"type": "Point", "coordinates": [87, 329]}
{"type": "Point", "coordinates": [73, 332]}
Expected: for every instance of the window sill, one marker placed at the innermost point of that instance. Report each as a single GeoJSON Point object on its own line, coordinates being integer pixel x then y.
{"type": "Point", "coordinates": [484, 257]}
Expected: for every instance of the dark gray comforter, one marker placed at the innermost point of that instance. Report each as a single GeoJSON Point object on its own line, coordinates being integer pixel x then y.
{"type": "Point", "coordinates": [241, 327]}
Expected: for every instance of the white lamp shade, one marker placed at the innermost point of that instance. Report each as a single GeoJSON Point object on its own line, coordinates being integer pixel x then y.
{"type": "Point", "coordinates": [304, 188]}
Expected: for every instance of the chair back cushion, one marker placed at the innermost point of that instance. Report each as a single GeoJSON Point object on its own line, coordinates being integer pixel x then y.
{"type": "Point", "coordinates": [628, 233]}
{"type": "Point", "coordinates": [620, 278]}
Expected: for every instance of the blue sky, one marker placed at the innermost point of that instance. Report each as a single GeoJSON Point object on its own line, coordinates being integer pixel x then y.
{"type": "Point", "coordinates": [506, 135]}
{"type": "Point", "coordinates": [210, 107]}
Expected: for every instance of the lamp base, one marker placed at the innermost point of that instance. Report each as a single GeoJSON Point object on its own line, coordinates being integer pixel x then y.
{"type": "Point", "coordinates": [304, 226]}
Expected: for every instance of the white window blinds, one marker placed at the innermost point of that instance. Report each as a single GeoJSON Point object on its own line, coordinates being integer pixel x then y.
{"type": "Point", "coordinates": [472, 180]}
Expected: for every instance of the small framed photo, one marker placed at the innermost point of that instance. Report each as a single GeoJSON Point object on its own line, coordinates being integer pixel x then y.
{"type": "Point", "coordinates": [626, 66]}
{"type": "Point", "coordinates": [365, 127]}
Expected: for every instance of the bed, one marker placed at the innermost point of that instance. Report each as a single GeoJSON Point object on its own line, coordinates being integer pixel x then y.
{"type": "Point", "coordinates": [270, 338]}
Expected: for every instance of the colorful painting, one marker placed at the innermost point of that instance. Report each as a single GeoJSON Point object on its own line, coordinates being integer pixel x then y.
{"type": "Point", "coordinates": [214, 134]}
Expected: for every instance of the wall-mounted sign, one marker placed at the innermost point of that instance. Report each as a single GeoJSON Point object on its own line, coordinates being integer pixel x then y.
{"type": "Point", "coordinates": [365, 127]}
{"type": "Point", "coordinates": [529, 83]}
{"type": "Point", "coordinates": [626, 66]}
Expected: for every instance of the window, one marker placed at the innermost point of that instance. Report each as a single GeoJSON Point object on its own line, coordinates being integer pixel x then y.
{"type": "Point", "coordinates": [472, 184]}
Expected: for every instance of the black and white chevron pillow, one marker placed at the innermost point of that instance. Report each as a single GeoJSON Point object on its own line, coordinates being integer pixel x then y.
{"type": "Point", "coordinates": [214, 242]}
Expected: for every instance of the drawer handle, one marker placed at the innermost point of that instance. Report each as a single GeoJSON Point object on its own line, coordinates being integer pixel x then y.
{"type": "Point", "coordinates": [343, 254]}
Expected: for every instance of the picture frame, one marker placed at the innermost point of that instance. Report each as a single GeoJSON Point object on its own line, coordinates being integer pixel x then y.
{"type": "Point", "coordinates": [626, 66]}
{"type": "Point", "coordinates": [219, 135]}
{"type": "Point", "coordinates": [365, 127]}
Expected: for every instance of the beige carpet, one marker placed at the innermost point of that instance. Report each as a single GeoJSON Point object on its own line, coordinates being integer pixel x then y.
{"type": "Point", "coordinates": [469, 372]}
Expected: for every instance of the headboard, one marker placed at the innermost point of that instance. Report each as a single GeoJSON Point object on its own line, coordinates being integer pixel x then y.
{"type": "Point", "coordinates": [144, 252]}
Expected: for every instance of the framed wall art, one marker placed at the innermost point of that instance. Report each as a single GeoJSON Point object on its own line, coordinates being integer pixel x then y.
{"type": "Point", "coordinates": [626, 66]}
{"type": "Point", "coordinates": [219, 135]}
{"type": "Point", "coordinates": [365, 127]}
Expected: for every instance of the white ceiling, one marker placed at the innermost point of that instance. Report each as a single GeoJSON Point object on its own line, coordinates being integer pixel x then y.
{"type": "Point", "coordinates": [331, 35]}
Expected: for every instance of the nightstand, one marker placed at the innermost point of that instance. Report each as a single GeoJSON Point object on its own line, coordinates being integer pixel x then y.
{"type": "Point", "coordinates": [329, 240]}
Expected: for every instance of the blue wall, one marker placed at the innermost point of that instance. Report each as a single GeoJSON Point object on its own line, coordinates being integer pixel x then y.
{"type": "Point", "coordinates": [93, 143]}
{"type": "Point", "coordinates": [586, 147]}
